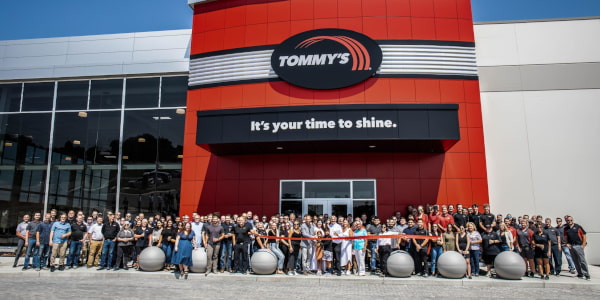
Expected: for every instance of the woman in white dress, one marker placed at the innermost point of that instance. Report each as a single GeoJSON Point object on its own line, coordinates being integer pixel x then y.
{"type": "Point", "coordinates": [346, 251]}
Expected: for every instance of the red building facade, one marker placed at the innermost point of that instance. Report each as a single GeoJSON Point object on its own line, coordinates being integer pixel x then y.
{"type": "Point", "coordinates": [428, 58]}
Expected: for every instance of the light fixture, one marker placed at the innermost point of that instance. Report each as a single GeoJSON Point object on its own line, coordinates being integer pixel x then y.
{"type": "Point", "coordinates": [82, 114]}
{"type": "Point", "coordinates": [109, 156]}
{"type": "Point", "coordinates": [76, 142]}
{"type": "Point", "coordinates": [161, 118]}
{"type": "Point", "coordinates": [180, 156]}
{"type": "Point", "coordinates": [125, 157]}
{"type": "Point", "coordinates": [68, 158]}
{"type": "Point", "coordinates": [141, 140]}
{"type": "Point", "coordinates": [8, 144]}
{"type": "Point", "coordinates": [279, 148]}
{"type": "Point", "coordinates": [180, 111]}
{"type": "Point", "coordinates": [372, 146]}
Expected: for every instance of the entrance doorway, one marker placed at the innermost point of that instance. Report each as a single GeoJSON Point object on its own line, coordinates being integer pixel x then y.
{"type": "Point", "coordinates": [337, 207]}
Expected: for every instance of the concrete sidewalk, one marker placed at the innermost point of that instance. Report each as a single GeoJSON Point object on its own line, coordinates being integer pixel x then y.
{"type": "Point", "coordinates": [565, 281]}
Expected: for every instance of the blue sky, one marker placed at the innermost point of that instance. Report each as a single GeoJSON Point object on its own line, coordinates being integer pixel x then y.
{"type": "Point", "coordinates": [26, 19]}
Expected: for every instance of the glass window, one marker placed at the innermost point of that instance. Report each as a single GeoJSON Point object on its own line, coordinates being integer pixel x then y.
{"type": "Point", "coordinates": [140, 133]}
{"type": "Point", "coordinates": [327, 189]}
{"type": "Point", "coordinates": [25, 138]}
{"type": "Point", "coordinates": [106, 94]}
{"type": "Point", "coordinates": [288, 207]}
{"type": "Point", "coordinates": [144, 188]}
{"type": "Point", "coordinates": [363, 189]}
{"type": "Point", "coordinates": [142, 92]}
{"type": "Point", "coordinates": [91, 138]}
{"type": "Point", "coordinates": [71, 95]}
{"type": "Point", "coordinates": [364, 207]}
{"type": "Point", "coordinates": [38, 96]}
{"type": "Point", "coordinates": [79, 188]}
{"type": "Point", "coordinates": [170, 130]}
{"type": "Point", "coordinates": [291, 190]}
{"type": "Point", "coordinates": [10, 97]}
{"type": "Point", "coordinates": [174, 91]}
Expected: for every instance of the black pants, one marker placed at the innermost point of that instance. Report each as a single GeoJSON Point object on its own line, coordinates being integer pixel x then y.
{"type": "Point", "coordinates": [337, 254]}
{"type": "Point", "coordinates": [291, 265]}
{"type": "Point", "coordinates": [384, 254]}
{"type": "Point", "coordinates": [123, 255]}
{"type": "Point", "coordinates": [421, 261]}
{"type": "Point", "coordinates": [241, 257]}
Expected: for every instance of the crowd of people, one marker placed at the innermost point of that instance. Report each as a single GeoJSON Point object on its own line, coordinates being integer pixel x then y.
{"type": "Point", "coordinates": [321, 245]}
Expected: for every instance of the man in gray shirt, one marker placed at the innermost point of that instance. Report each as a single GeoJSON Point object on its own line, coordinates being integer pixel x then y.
{"type": "Point", "coordinates": [213, 234]}
{"type": "Point", "coordinates": [308, 230]}
{"type": "Point", "coordinates": [20, 232]}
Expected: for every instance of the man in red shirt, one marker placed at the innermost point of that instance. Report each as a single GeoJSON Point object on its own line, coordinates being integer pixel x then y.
{"type": "Point", "coordinates": [444, 219]}
{"type": "Point", "coordinates": [433, 216]}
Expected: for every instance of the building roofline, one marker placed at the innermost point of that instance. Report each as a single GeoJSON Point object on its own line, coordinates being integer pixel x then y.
{"type": "Point", "coordinates": [537, 20]}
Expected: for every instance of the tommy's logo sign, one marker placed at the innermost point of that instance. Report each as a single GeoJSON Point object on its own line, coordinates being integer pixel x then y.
{"type": "Point", "coordinates": [326, 59]}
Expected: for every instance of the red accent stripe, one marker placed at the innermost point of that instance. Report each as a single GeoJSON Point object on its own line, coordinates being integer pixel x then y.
{"type": "Point", "coordinates": [354, 50]}
{"type": "Point", "coordinates": [363, 50]}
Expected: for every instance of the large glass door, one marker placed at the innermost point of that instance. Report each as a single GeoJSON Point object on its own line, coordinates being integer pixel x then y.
{"type": "Point", "coordinates": [338, 207]}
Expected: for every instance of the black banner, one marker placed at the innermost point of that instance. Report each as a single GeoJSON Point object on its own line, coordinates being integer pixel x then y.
{"type": "Point", "coordinates": [330, 128]}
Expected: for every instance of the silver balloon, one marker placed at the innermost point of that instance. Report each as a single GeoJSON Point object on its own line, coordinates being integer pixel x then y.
{"type": "Point", "coordinates": [400, 264]}
{"type": "Point", "coordinates": [199, 261]}
{"type": "Point", "coordinates": [509, 265]}
{"type": "Point", "coordinates": [263, 262]}
{"type": "Point", "coordinates": [152, 259]}
{"type": "Point", "coordinates": [452, 264]}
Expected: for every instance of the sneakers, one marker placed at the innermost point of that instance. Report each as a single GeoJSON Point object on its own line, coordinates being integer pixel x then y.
{"type": "Point", "coordinates": [319, 273]}
{"type": "Point", "coordinates": [290, 273]}
{"type": "Point", "coordinates": [587, 278]}
{"type": "Point", "coordinates": [572, 271]}
{"type": "Point", "coordinates": [24, 268]}
{"type": "Point", "coordinates": [547, 277]}
{"type": "Point", "coordinates": [61, 268]}
{"type": "Point", "coordinates": [100, 269]}
{"type": "Point", "coordinates": [52, 269]}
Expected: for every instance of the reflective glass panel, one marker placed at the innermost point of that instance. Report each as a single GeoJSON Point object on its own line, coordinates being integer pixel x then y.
{"type": "Point", "coordinates": [291, 190]}
{"type": "Point", "coordinates": [38, 96]}
{"type": "Point", "coordinates": [106, 94]}
{"type": "Point", "coordinates": [25, 138]}
{"type": "Point", "coordinates": [327, 189]}
{"type": "Point", "coordinates": [171, 127]}
{"type": "Point", "coordinates": [72, 95]}
{"type": "Point", "coordinates": [140, 134]}
{"type": "Point", "coordinates": [364, 207]}
{"type": "Point", "coordinates": [10, 97]}
{"type": "Point", "coordinates": [288, 207]}
{"type": "Point", "coordinates": [142, 92]}
{"type": "Point", "coordinates": [363, 189]}
{"type": "Point", "coordinates": [174, 91]}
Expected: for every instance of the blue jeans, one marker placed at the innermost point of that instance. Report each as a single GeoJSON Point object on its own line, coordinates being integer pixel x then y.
{"type": "Point", "coordinates": [32, 251]}
{"type": "Point", "coordinates": [44, 255]}
{"type": "Point", "coordinates": [372, 248]}
{"type": "Point", "coordinates": [567, 253]}
{"type": "Point", "coordinates": [475, 255]}
{"type": "Point", "coordinates": [435, 253]}
{"type": "Point", "coordinates": [108, 251]}
{"type": "Point", "coordinates": [226, 250]}
{"type": "Point", "coordinates": [74, 252]}
{"type": "Point", "coordinates": [168, 249]}
{"type": "Point", "coordinates": [280, 257]}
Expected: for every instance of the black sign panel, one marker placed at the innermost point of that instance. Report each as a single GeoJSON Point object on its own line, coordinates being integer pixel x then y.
{"type": "Point", "coordinates": [330, 128]}
{"type": "Point", "coordinates": [326, 59]}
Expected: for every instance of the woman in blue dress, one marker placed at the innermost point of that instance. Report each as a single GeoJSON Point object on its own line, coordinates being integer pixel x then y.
{"type": "Point", "coordinates": [184, 245]}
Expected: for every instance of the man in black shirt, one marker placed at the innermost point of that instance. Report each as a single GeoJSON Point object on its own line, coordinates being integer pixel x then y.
{"type": "Point", "coordinates": [421, 246]}
{"type": "Point", "coordinates": [576, 239]}
{"type": "Point", "coordinates": [109, 230]}
{"type": "Point", "coordinates": [373, 229]}
{"type": "Point", "coordinates": [475, 216]}
{"type": "Point", "coordinates": [78, 234]}
{"type": "Point", "coordinates": [487, 218]}
{"type": "Point", "coordinates": [460, 218]}
{"type": "Point", "coordinates": [241, 244]}
{"type": "Point", "coordinates": [555, 241]}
